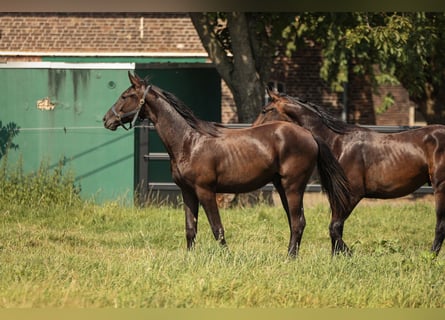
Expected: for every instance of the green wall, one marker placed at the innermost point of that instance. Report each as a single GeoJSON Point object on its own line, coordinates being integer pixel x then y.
{"type": "Point", "coordinates": [101, 160]}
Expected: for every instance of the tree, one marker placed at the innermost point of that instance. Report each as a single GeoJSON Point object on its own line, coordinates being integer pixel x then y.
{"type": "Point", "coordinates": [420, 65]}
{"type": "Point", "coordinates": [242, 46]}
{"type": "Point", "coordinates": [408, 48]}
{"type": "Point", "coordinates": [386, 47]}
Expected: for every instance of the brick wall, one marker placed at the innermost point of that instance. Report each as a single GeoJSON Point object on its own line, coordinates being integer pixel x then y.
{"type": "Point", "coordinates": [98, 32]}
{"type": "Point", "coordinates": [398, 113]}
{"type": "Point", "coordinates": [300, 73]}
{"type": "Point", "coordinates": [151, 33]}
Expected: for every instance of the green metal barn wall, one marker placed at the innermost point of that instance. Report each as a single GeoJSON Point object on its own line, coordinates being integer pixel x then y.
{"type": "Point", "coordinates": [101, 160]}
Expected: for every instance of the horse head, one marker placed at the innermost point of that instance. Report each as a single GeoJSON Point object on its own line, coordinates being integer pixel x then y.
{"type": "Point", "coordinates": [277, 109]}
{"type": "Point", "coordinates": [128, 106]}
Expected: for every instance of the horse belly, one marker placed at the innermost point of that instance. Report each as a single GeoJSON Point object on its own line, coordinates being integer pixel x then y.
{"type": "Point", "coordinates": [243, 165]}
{"type": "Point", "coordinates": [395, 181]}
{"type": "Point", "coordinates": [240, 180]}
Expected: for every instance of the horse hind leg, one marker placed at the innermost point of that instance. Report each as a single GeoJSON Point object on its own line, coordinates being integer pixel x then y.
{"type": "Point", "coordinates": [336, 233]}
{"type": "Point", "coordinates": [439, 237]}
{"type": "Point", "coordinates": [336, 229]}
{"type": "Point", "coordinates": [297, 222]}
{"type": "Point", "coordinates": [292, 201]}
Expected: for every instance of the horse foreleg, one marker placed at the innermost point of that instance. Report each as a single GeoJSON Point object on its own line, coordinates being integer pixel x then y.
{"type": "Point", "coordinates": [439, 237]}
{"type": "Point", "coordinates": [191, 207]}
{"type": "Point", "coordinates": [208, 201]}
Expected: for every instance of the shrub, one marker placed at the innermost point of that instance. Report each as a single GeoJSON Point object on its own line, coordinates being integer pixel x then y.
{"type": "Point", "coordinates": [45, 187]}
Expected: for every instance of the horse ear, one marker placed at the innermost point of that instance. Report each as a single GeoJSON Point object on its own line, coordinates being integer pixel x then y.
{"type": "Point", "coordinates": [134, 79]}
{"type": "Point", "coordinates": [272, 94]}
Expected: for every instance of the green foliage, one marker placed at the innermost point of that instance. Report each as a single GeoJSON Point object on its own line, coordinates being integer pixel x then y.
{"type": "Point", "coordinates": [388, 101]}
{"type": "Point", "coordinates": [44, 188]}
{"type": "Point", "coordinates": [407, 46]}
{"type": "Point", "coordinates": [266, 32]}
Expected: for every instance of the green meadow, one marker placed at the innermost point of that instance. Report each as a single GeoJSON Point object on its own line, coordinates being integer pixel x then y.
{"type": "Point", "coordinates": [113, 256]}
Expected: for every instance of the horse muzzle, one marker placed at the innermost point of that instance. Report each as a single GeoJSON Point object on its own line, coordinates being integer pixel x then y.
{"type": "Point", "coordinates": [111, 123]}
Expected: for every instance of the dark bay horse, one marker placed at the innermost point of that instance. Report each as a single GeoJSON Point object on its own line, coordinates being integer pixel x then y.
{"type": "Point", "coordinates": [207, 158]}
{"type": "Point", "coordinates": [377, 165]}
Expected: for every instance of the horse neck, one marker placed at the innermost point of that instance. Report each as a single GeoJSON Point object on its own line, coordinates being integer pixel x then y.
{"type": "Point", "coordinates": [317, 127]}
{"type": "Point", "coordinates": [170, 126]}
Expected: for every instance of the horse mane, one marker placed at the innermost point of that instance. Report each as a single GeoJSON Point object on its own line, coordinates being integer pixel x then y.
{"type": "Point", "coordinates": [203, 127]}
{"type": "Point", "coordinates": [326, 118]}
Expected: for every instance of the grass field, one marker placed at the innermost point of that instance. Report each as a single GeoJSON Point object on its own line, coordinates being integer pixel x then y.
{"type": "Point", "coordinates": [113, 256]}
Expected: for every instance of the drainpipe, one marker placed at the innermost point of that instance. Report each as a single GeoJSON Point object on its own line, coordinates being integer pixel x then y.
{"type": "Point", "coordinates": [344, 113]}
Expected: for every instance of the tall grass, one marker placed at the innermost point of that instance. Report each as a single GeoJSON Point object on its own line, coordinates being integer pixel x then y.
{"type": "Point", "coordinates": [45, 187]}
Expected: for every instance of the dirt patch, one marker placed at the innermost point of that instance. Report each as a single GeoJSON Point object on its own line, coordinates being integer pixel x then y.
{"type": "Point", "coordinates": [316, 198]}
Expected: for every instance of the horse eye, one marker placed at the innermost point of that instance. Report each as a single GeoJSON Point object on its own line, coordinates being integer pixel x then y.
{"type": "Point", "coordinates": [128, 95]}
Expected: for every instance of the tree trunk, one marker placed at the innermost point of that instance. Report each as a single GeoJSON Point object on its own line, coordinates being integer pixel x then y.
{"type": "Point", "coordinates": [248, 89]}
{"type": "Point", "coordinates": [432, 104]}
{"type": "Point", "coordinates": [238, 70]}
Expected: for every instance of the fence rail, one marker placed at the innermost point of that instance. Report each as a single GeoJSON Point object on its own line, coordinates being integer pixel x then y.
{"type": "Point", "coordinates": [170, 186]}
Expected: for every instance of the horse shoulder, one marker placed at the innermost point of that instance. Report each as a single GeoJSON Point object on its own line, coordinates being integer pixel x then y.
{"type": "Point", "coordinates": [295, 135]}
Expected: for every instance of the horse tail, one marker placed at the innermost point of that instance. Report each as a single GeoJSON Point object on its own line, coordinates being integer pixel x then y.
{"type": "Point", "coordinates": [333, 178]}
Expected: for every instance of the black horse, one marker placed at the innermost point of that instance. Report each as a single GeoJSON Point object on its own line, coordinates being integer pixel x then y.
{"type": "Point", "coordinates": [207, 158]}
{"type": "Point", "coordinates": [377, 165]}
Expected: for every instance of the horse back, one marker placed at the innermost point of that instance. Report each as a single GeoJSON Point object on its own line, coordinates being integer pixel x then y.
{"type": "Point", "coordinates": [394, 164]}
